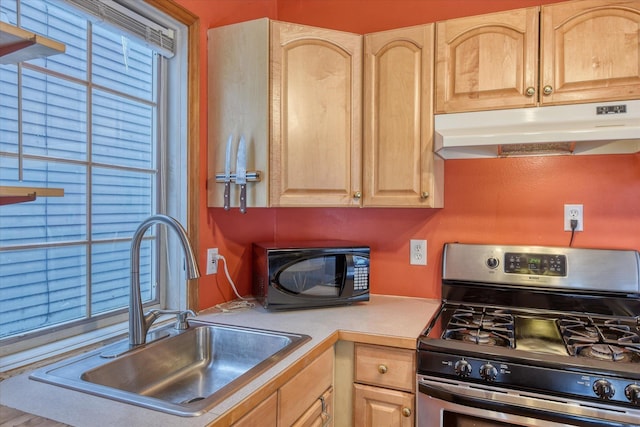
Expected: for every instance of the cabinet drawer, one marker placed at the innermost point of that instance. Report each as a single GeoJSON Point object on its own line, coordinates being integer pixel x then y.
{"type": "Point", "coordinates": [385, 366]}
{"type": "Point", "coordinates": [301, 392]}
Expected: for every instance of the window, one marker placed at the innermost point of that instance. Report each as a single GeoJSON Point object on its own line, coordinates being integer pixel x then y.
{"type": "Point", "coordinates": [93, 121]}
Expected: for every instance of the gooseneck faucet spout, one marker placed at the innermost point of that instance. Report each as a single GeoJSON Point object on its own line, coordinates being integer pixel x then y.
{"type": "Point", "coordinates": [140, 323]}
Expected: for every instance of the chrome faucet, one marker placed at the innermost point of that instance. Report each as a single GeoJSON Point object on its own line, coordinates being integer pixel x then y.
{"type": "Point", "coordinates": [140, 323]}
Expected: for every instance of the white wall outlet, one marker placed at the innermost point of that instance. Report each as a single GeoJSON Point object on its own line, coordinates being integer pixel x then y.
{"type": "Point", "coordinates": [212, 261]}
{"type": "Point", "coordinates": [573, 212]}
{"type": "Point", "coordinates": [418, 252]}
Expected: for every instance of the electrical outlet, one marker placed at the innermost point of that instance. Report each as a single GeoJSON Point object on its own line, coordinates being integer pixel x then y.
{"type": "Point", "coordinates": [573, 212]}
{"type": "Point", "coordinates": [212, 261]}
{"type": "Point", "coordinates": [418, 252]}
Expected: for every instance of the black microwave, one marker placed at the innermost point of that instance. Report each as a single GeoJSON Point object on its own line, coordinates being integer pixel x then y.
{"type": "Point", "coordinates": [298, 275]}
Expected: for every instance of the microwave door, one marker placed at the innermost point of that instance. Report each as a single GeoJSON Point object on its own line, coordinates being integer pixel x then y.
{"type": "Point", "coordinates": [312, 277]}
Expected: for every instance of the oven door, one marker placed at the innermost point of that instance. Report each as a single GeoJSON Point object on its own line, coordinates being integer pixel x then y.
{"type": "Point", "coordinates": [446, 403]}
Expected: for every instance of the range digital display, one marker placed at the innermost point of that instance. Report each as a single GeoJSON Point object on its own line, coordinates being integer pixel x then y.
{"type": "Point", "coordinates": [535, 264]}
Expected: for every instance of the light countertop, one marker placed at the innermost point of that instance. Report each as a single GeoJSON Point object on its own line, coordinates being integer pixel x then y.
{"type": "Point", "coordinates": [384, 320]}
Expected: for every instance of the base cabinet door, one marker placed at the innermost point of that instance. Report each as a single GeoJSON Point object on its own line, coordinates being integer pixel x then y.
{"type": "Point", "coordinates": [378, 407]}
{"type": "Point", "coordinates": [263, 415]}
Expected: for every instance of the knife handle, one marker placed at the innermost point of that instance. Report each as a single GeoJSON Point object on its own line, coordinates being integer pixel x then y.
{"type": "Point", "coordinates": [243, 198]}
{"type": "Point", "coordinates": [227, 204]}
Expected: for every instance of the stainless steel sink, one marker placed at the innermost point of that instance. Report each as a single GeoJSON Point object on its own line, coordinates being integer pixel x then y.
{"type": "Point", "coordinates": [181, 372]}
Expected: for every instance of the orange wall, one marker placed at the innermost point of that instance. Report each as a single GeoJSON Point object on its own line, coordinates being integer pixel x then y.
{"type": "Point", "coordinates": [490, 201]}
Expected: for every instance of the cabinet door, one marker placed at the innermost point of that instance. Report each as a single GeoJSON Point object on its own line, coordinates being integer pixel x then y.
{"type": "Point", "coordinates": [487, 62]}
{"type": "Point", "coordinates": [263, 415]}
{"type": "Point", "coordinates": [398, 121]}
{"type": "Point", "coordinates": [316, 116]}
{"type": "Point", "coordinates": [375, 406]}
{"type": "Point", "coordinates": [590, 51]}
{"type": "Point", "coordinates": [320, 414]}
{"type": "Point", "coordinates": [302, 391]}
{"type": "Point", "coordinates": [238, 100]}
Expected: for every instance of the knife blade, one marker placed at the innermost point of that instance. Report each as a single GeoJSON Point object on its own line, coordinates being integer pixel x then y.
{"type": "Point", "coordinates": [241, 173]}
{"type": "Point", "coordinates": [227, 173]}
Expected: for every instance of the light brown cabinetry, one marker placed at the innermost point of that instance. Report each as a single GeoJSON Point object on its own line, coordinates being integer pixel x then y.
{"type": "Point", "coordinates": [306, 400]}
{"type": "Point", "coordinates": [588, 51]}
{"type": "Point", "coordinates": [384, 386]}
{"type": "Point", "coordinates": [263, 415]}
{"type": "Point", "coordinates": [294, 93]}
{"type": "Point", "coordinates": [399, 165]}
{"type": "Point", "coordinates": [300, 396]}
{"type": "Point", "coordinates": [487, 62]}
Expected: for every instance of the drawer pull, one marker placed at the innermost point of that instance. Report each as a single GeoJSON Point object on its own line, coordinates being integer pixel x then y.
{"type": "Point", "coordinates": [406, 412]}
{"type": "Point", "coordinates": [324, 416]}
{"type": "Point", "coordinates": [382, 369]}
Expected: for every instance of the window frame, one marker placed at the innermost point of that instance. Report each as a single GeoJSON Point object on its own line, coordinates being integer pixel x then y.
{"type": "Point", "coordinates": [182, 197]}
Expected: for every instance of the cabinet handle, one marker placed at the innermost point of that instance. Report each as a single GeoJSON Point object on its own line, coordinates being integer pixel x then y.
{"type": "Point", "coordinates": [547, 90]}
{"type": "Point", "coordinates": [382, 369]}
{"type": "Point", "coordinates": [530, 91]}
{"type": "Point", "coordinates": [325, 415]}
{"type": "Point", "coordinates": [357, 195]}
{"type": "Point", "coordinates": [424, 195]}
{"type": "Point", "coordinates": [406, 412]}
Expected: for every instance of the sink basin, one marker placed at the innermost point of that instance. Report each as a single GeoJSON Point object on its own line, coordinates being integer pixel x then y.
{"type": "Point", "coordinates": [181, 372]}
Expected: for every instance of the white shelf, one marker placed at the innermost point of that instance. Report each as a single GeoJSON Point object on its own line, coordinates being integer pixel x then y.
{"type": "Point", "coordinates": [18, 45]}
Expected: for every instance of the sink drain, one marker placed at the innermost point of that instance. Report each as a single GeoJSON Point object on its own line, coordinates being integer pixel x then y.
{"type": "Point", "coordinates": [193, 400]}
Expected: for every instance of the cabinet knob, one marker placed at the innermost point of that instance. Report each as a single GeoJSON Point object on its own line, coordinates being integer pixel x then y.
{"type": "Point", "coordinates": [382, 369]}
{"type": "Point", "coordinates": [530, 91]}
{"type": "Point", "coordinates": [424, 195]}
{"type": "Point", "coordinates": [357, 195]}
{"type": "Point", "coordinates": [547, 90]}
{"type": "Point", "coordinates": [406, 412]}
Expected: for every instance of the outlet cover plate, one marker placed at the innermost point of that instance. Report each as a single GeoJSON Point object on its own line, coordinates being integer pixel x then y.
{"type": "Point", "coordinates": [418, 252]}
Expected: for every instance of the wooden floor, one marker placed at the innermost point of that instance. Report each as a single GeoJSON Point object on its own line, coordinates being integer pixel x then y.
{"type": "Point", "coordinates": [10, 417]}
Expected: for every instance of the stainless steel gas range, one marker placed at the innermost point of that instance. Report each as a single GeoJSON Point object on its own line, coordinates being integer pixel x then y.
{"type": "Point", "coordinates": [533, 336]}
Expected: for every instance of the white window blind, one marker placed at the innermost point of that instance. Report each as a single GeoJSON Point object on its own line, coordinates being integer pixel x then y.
{"type": "Point", "coordinates": [86, 121]}
{"type": "Point", "coordinates": [141, 26]}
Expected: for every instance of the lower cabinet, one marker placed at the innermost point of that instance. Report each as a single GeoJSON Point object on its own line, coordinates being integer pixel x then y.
{"type": "Point", "coordinates": [306, 400]}
{"type": "Point", "coordinates": [384, 386]}
{"type": "Point", "coordinates": [377, 406]}
{"type": "Point", "coordinates": [263, 415]}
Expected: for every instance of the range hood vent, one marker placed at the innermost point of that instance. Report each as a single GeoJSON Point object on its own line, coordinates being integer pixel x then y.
{"type": "Point", "coordinates": [598, 128]}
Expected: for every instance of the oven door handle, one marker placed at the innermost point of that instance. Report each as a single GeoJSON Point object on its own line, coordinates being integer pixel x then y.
{"type": "Point", "coordinates": [509, 408]}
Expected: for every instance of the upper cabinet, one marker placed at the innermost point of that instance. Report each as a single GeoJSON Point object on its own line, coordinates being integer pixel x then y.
{"type": "Point", "coordinates": [589, 51]}
{"type": "Point", "coordinates": [487, 62]}
{"type": "Point", "coordinates": [316, 87]}
{"type": "Point", "coordinates": [400, 168]}
{"type": "Point", "coordinates": [294, 93]}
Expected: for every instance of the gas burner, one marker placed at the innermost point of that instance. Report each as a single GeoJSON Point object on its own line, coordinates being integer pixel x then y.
{"type": "Point", "coordinates": [481, 326]}
{"type": "Point", "coordinates": [608, 352]}
{"type": "Point", "coordinates": [609, 339]}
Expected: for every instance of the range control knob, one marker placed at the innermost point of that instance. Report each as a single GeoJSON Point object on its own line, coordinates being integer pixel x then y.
{"type": "Point", "coordinates": [632, 392]}
{"type": "Point", "coordinates": [463, 368]}
{"type": "Point", "coordinates": [493, 262]}
{"type": "Point", "coordinates": [488, 372]}
{"type": "Point", "coordinates": [604, 389]}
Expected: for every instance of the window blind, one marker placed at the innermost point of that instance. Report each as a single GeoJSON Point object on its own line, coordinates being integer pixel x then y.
{"type": "Point", "coordinates": [159, 36]}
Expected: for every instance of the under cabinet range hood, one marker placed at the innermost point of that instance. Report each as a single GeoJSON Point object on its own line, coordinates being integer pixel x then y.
{"type": "Point", "coordinates": [597, 128]}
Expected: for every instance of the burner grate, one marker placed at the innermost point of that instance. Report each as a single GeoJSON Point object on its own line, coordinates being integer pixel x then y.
{"type": "Point", "coordinates": [484, 326]}
{"type": "Point", "coordinates": [602, 339]}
